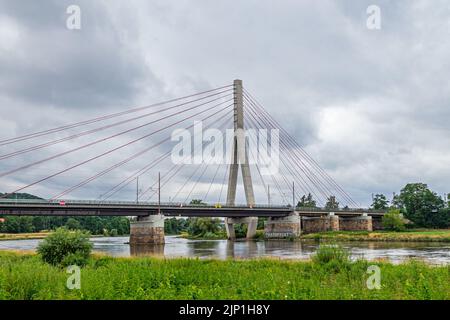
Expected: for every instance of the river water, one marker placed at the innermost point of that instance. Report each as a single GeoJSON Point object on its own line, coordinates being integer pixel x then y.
{"type": "Point", "coordinates": [396, 252]}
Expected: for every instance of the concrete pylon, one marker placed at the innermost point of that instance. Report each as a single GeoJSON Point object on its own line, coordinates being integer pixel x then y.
{"type": "Point", "coordinates": [240, 158]}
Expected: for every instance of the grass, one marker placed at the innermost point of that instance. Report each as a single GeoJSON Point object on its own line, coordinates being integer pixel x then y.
{"type": "Point", "coordinates": [33, 235]}
{"type": "Point", "coordinates": [23, 236]}
{"type": "Point", "coordinates": [25, 276]}
{"type": "Point", "coordinates": [428, 235]}
{"type": "Point", "coordinates": [207, 236]}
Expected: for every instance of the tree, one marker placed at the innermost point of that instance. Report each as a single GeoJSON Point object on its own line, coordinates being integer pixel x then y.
{"type": "Point", "coordinates": [380, 202]}
{"type": "Point", "coordinates": [73, 224]}
{"type": "Point", "coordinates": [307, 201]}
{"type": "Point", "coordinates": [14, 224]}
{"type": "Point", "coordinates": [393, 220]}
{"type": "Point", "coordinates": [175, 226]}
{"type": "Point", "coordinates": [422, 206]}
{"type": "Point", "coordinates": [332, 203]}
{"type": "Point", "coordinates": [203, 226]}
{"type": "Point", "coordinates": [197, 202]}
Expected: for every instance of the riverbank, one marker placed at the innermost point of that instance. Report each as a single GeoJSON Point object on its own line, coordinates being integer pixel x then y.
{"type": "Point", "coordinates": [23, 236]}
{"type": "Point", "coordinates": [32, 236]}
{"type": "Point", "coordinates": [411, 235]}
{"type": "Point", "coordinates": [25, 276]}
{"type": "Point", "coordinates": [208, 236]}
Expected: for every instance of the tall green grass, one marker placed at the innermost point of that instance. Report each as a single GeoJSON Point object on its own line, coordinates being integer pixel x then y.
{"type": "Point", "coordinates": [27, 277]}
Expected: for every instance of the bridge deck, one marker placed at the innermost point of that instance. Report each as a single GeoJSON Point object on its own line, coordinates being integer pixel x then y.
{"type": "Point", "coordinates": [101, 208]}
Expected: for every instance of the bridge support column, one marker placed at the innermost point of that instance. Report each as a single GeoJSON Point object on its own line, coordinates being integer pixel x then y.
{"type": "Point", "coordinates": [283, 227]}
{"type": "Point", "coordinates": [329, 222]}
{"type": "Point", "coordinates": [362, 223]}
{"type": "Point", "coordinates": [252, 223]}
{"type": "Point", "coordinates": [377, 223]}
{"type": "Point", "coordinates": [239, 157]}
{"type": "Point", "coordinates": [147, 230]}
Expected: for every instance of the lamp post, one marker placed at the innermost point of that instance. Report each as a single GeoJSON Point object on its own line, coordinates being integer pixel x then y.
{"type": "Point", "coordinates": [159, 192]}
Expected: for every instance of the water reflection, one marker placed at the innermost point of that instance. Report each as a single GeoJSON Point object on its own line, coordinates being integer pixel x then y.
{"type": "Point", "coordinates": [434, 252]}
{"type": "Point", "coordinates": [140, 250]}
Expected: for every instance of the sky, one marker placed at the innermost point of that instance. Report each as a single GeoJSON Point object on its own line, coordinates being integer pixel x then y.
{"type": "Point", "coordinates": [371, 106]}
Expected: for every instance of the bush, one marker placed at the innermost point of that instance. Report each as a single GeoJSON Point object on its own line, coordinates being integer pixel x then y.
{"type": "Point", "coordinates": [64, 247]}
{"type": "Point", "coordinates": [393, 220]}
{"type": "Point", "coordinates": [331, 254]}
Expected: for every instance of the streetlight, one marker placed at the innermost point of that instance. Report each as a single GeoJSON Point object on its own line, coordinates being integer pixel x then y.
{"type": "Point", "coordinates": [159, 192]}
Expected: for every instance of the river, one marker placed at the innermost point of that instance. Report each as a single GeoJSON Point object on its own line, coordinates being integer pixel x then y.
{"type": "Point", "coordinates": [395, 252]}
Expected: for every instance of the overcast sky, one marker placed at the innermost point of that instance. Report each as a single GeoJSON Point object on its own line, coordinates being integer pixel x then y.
{"type": "Point", "coordinates": [371, 106]}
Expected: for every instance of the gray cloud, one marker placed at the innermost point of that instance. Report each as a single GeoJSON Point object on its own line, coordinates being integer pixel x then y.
{"type": "Point", "coordinates": [371, 106]}
{"type": "Point", "coordinates": [52, 65]}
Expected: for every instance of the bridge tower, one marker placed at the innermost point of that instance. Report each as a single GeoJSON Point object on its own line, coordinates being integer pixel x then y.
{"type": "Point", "coordinates": [239, 157]}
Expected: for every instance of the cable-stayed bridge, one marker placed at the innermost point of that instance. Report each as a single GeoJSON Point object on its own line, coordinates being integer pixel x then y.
{"type": "Point", "coordinates": [114, 151]}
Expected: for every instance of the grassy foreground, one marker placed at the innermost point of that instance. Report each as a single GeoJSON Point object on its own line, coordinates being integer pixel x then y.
{"type": "Point", "coordinates": [412, 235]}
{"type": "Point", "coordinates": [25, 276]}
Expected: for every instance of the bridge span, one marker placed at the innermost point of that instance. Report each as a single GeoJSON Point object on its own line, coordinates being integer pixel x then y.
{"type": "Point", "coordinates": [142, 209]}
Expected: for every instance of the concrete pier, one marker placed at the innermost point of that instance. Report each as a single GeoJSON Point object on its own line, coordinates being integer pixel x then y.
{"type": "Point", "coordinates": [362, 223]}
{"type": "Point", "coordinates": [252, 223]}
{"type": "Point", "coordinates": [282, 228]}
{"type": "Point", "coordinates": [377, 224]}
{"type": "Point", "coordinates": [147, 230]}
{"type": "Point", "coordinates": [329, 222]}
{"type": "Point", "coordinates": [332, 222]}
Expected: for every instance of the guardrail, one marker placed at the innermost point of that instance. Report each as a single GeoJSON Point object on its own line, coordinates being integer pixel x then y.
{"type": "Point", "coordinates": [177, 204]}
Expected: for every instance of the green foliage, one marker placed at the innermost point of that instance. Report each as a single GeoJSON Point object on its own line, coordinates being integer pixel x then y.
{"type": "Point", "coordinates": [259, 235]}
{"type": "Point", "coordinates": [393, 220]}
{"type": "Point", "coordinates": [73, 224]}
{"type": "Point", "coordinates": [197, 202]}
{"type": "Point", "coordinates": [422, 206]}
{"type": "Point", "coordinates": [240, 230]}
{"type": "Point", "coordinates": [27, 277]}
{"type": "Point", "coordinates": [201, 227]}
{"type": "Point", "coordinates": [64, 247]}
{"type": "Point", "coordinates": [332, 203]}
{"type": "Point", "coordinates": [175, 226]}
{"type": "Point", "coordinates": [380, 202]}
{"type": "Point", "coordinates": [95, 225]}
{"type": "Point", "coordinates": [16, 224]}
{"type": "Point", "coordinates": [261, 222]}
{"type": "Point", "coordinates": [410, 235]}
{"type": "Point", "coordinates": [307, 201]}
{"type": "Point", "coordinates": [331, 253]}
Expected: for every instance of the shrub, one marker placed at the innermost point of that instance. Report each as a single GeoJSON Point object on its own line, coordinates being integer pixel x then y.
{"type": "Point", "coordinates": [64, 247]}
{"type": "Point", "coordinates": [331, 254]}
{"type": "Point", "coordinates": [393, 220]}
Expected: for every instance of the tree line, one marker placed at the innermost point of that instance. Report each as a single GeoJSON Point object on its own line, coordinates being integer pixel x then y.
{"type": "Point", "coordinates": [95, 225]}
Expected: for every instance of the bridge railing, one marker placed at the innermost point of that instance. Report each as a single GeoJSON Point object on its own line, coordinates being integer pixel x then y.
{"type": "Point", "coordinates": [178, 204]}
